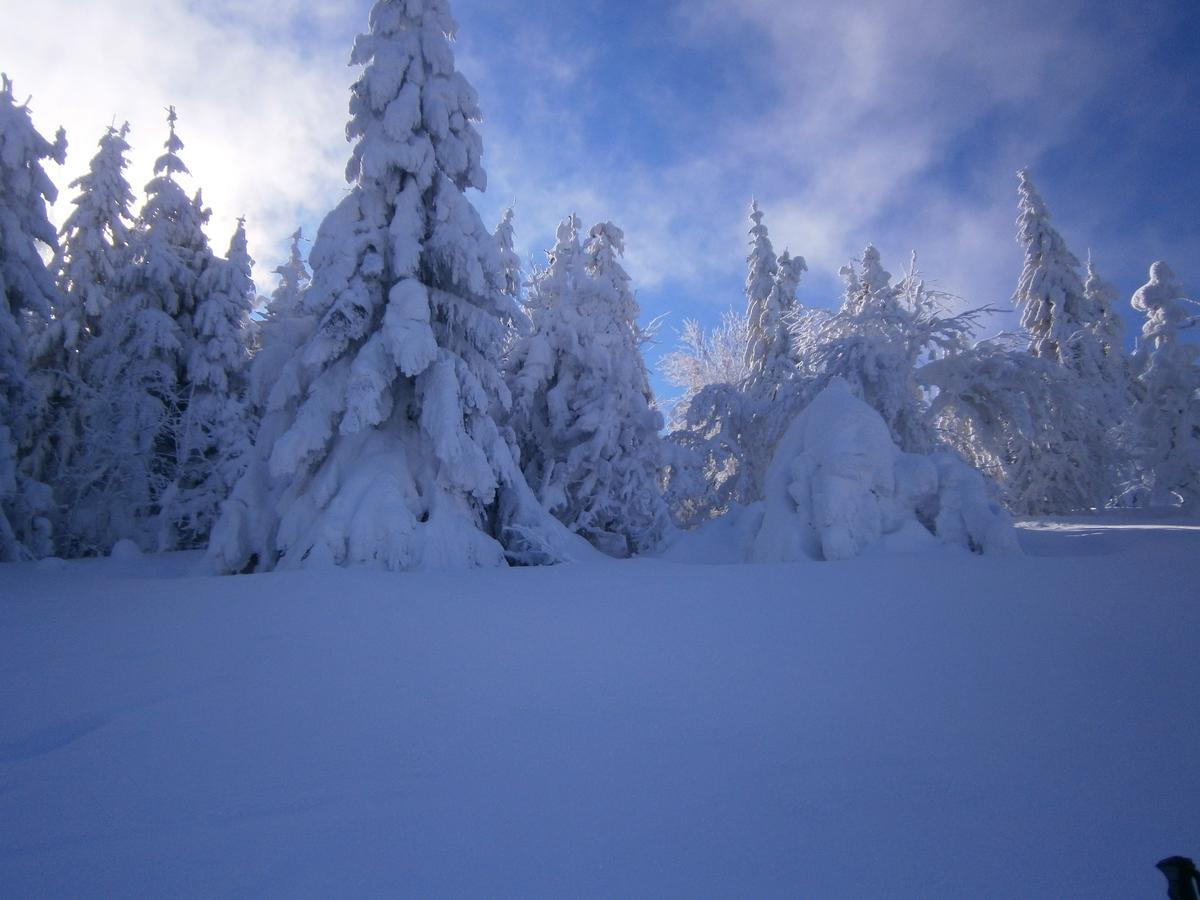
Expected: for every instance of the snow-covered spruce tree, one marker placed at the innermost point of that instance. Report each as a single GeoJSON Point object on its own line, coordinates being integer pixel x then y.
{"type": "Point", "coordinates": [512, 284]}
{"type": "Point", "coordinates": [28, 296]}
{"type": "Point", "coordinates": [1101, 354]}
{"type": "Point", "coordinates": [619, 490]}
{"type": "Point", "coordinates": [95, 239]}
{"type": "Point", "coordinates": [1106, 372]}
{"type": "Point", "coordinates": [393, 456]}
{"type": "Point", "coordinates": [761, 266]}
{"type": "Point", "coordinates": [93, 252]}
{"type": "Point", "coordinates": [137, 368]}
{"type": "Point", "coordinates": [1166, 427]}
{"type": "Point", "coordinates": [769, 349]}
{"type": "Point", "coordinates": [214, 431]}
{"type": "Point", "coordinates": [284, 328]}
{"type": "Point", "coordinates": [583, 411]}
{"type": "Point", "coordinates": [510, 262]}
{"type": "Point", "coordinates": [246, 527]}
{"type": "Point", "coordinates": [1069, 325]}
{"type": "Point", "coordinates": [878, 341]}
{"type": "Point", "coordinates": [1050, 292]}
{"type": "Point", "coordinates": [729, 431]}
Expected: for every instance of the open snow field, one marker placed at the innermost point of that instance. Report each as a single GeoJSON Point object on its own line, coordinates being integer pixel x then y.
{"type": "Point", "coordinates": [903, 726]}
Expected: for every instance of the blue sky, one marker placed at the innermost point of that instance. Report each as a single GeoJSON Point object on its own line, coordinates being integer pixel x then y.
{"type": "Point", "coordinates": [900, 122]}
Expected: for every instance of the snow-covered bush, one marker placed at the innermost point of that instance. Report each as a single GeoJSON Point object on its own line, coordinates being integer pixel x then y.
{"type": "Point", "coordinates": [878, 341]}
{"type": "Point", "coordinates": [839, 486]}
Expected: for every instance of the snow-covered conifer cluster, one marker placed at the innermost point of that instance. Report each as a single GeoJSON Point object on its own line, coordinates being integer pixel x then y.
{"type": "Point", "coordinates": [407, 399]}
{"type": "Point", "coordinates": [1059, 418]}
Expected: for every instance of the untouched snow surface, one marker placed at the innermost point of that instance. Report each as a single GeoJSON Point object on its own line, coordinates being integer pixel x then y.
{"type": "Point", "coordinates": [934, 725]}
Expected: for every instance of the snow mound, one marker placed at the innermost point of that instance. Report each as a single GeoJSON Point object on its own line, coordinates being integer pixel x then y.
{"type": "Point", "coordinates": [125, 550]}
{"type": "Point", "coordinates": [839, 486]}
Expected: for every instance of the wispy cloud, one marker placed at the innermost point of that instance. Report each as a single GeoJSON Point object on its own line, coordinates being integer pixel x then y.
{"type": "Point", "coordinates": [899, 122]}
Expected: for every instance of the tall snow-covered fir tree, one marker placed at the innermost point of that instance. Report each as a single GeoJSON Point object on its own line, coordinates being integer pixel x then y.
{"type": "Point", "coordinates": [245, 530]}
{"type": "Point", "coordinates": [769, 349]}
{"type": "Point", "coordinates": [730, 431]}
{"type": "Point", "coordinates": [1070, 318]}
{"type": "Point", "coordinates": [583, 409]}
{"type": "Point", "coordinates": [762, 265]}
{"type": "Point", "coordinates": [95, 239]}
{"type": "Point", "coordinates": [1166, 427]}
{"type": "Point", "coordinates": [93, 254]}
{"type": "Point", "coordinates": [215, 428]}
{"type": "Point", "coordinates": [137, 364]}
{"type": "Point", "coordinates": [393, 455]}
{"type": "Point", "coordinates": [284, 328]}
{"type": "Point", "coordinates": [1050, 292]}
{"type": "Point", "coordinates": [1074, 327]}
{"type": "Point", "coordinates": [1101, 355]}
{"type": "Point", "coordinates": [28, 297]}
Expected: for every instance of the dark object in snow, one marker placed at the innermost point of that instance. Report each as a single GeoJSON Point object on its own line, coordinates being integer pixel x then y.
{"type": "Point", "coordinates": [1182, 877]}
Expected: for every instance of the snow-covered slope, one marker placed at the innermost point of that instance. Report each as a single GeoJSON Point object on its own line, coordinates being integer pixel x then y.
{"type": "Point", "coordinates": [906, 726]}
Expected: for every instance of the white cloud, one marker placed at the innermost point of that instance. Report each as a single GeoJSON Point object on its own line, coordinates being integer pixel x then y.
{"type": "Point", "coordinates": [867, 105]}
{"type": "Point", "coordinates": [261, 111]}
{"type": "Point", "coordinates": [900, 122]}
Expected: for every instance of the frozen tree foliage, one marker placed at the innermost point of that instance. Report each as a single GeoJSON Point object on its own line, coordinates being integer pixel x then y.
{"type": "Point", "coordinates": [839, 486]}
{"type": "Point", "coordinates": [213, 435]}
{"type": "Point", "coordinates": [29, 296]}
{"type": "Point", "coordinates": [392, 455]}
{"type": "Point", "coordinates": [137, 365]}
{"type": "Point", "coordinates": [1166, 427]}
{"type": "Point", "coordinates": [878, 341]}
{"type": "Point", "coordinates": [711, 464]}
{"type": "Point", "coordinates": [1020, 419]}
{"type": "Point", "coordinates": [702, 358]}
{"type": "Point", "coordinates": [583, 411]}
{"type": "Point", "coordinates": [93, 252]}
